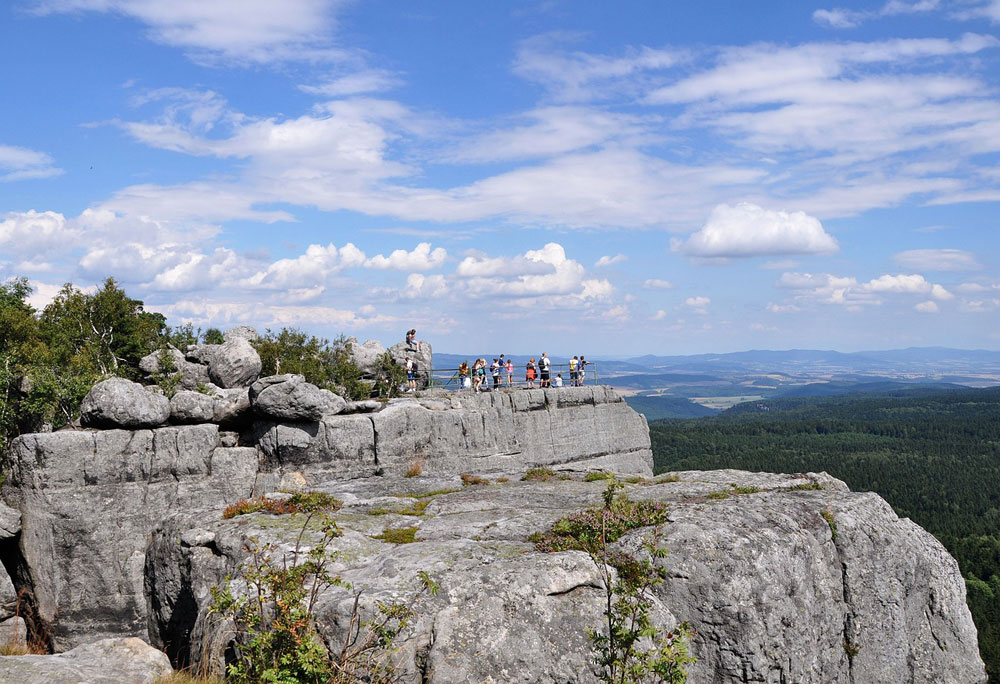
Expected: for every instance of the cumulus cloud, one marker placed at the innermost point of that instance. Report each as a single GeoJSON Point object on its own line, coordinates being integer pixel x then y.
{"type": "Point", "coordinates": [316, 265]}
{"type": "Point", "coordinates": [35, 232]}
{"type": "Point", "coordinates": [610, 260]}
{"type": "Point", "coordinates": [422, 258]}
{"type": "Point", "coordinates": [937, 260]}
{"type": "Point", "coordinates": [659, 315]}
{"type": "Point", "coordinates": [929, 306]}
{"type": "Point", "coordinates": [20, 163]}
{"type": "Point", "coordinates": [747, 230]}
{"type": "Point", "coordinates": [698, 304]}
{"type": "Point", "coordinates": [657, 284]}
{"type": "Point", "coordinates": [849, 292]}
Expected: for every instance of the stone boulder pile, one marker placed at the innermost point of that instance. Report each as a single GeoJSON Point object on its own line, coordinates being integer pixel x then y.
{"type": "Point", "coordinates": [366, 355]}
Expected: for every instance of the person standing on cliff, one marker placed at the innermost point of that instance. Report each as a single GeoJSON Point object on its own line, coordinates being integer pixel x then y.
{"type": "Point", "coordinates": [529, 374]}
{"type": "Point", "coordinates": [411, 376]}
{"type": "Point", "coordinates": [543, 366]}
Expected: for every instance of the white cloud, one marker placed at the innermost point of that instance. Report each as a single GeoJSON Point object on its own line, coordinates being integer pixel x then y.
{"type": "Point", "coordinates": [550, 131]}
{"type": "Point", "coordinates": [848, 292]}
{"type": "Point", "coordinates": [845, 18]}
{"type": "Point", "coordinates": [698, 304]}
{"type": "Point", "coordinates": [420, 259]}
{"type": "Point", "coordinates": [747, 230]}
{"type": "Point", "coordinates": [937, 260]}
{"type": "Point", "coordinates": [34, 232]}
{"type": "Point", "coordinates": [659, 315]}
{"type": "Point", "coordinates": [928, 306]}
{"type": "Point", "coordinates": [358, 83]}
{"type": "Point", "coordinates": [241, 30]}
{"type": "Point", "coordinates": [983, 9]}
{"type": "Point", "coordinates": [20, 163]}
{"type": "Point", "coordinates": [657, 284]}
{"type": "Point", "coordinates": [610, 260]}
{"type": "Point", "coordinates": [421, 286]}
{"type": "Point", "coordinates": [314, 267]}
{"type": "Point", "coordinates": [907, 283]}
{"type": "Point", "coordinates": [579, 76]}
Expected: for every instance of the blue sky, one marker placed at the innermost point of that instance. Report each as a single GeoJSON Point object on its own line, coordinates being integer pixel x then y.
{"type": "Point", "coordinates": [612, 179]}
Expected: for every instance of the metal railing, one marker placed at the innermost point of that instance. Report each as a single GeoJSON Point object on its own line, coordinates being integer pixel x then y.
{"type": "Point", "coordinates": [450, 378]}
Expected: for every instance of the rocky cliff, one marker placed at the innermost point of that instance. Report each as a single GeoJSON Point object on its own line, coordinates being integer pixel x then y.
{"type": "Point", "coordinates": [116, 530]}
{"type": "Point", "coordinates": [774, 593]}
{"type": "Point", "coordinates": [89, 499]}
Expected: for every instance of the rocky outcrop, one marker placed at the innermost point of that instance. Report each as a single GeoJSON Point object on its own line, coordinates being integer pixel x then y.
{"type": "Point", "coordinates": [422, 357]}
{"type": "Point", "coordinates": [365, 356]}
{"type": "Point", "coordinates": [110, 661]}
{"type": "Point", "coordinates": [118, 402]}
{"type": "Point", "coordinates": [88, 499]}
{"type": "Point", "coordinates": [774, 595]}
{"type": "Point", "coordinates": [235, 363]}
{"type": "Point", "coordinates": [171, 361]}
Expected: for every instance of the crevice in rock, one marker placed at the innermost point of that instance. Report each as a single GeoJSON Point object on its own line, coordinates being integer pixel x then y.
{"type": "Point", "coordinates": [583, 586]}
{"type": "Point", "coordinates": [39, 631]}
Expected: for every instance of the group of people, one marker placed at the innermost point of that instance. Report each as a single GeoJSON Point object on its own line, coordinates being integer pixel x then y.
{"type": "Point", "coordinates": [502, 369]}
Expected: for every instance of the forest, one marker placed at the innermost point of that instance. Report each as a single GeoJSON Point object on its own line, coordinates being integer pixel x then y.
{"type": "Point", "coordinates": [933, 455]}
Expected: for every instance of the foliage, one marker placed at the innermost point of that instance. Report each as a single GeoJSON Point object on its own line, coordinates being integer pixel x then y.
{"type": "Point", "coordinates": [183, 336]}
{"type": "Point", "coordinates": [185, 677]}
{"type": "Point", "coordinates": [935, 457]}
{"type": "Point", "coordinates": [598, 475]}
{"type": "Point", "coordinates": [398, 535]}
{"type": "Point", "coordinates": [470, 480]}
{"type": "Point", "coordinates": [586, 530]}
{"type": "Point", "coordinates": [629, 647]}
{"type": "Point", "coordinates": [416, 468]}
{"type": "Point", "coordinates": [324, 364]}
{"type": "Point", "coordinates": [166, 376]}
{"type": "Point", "coordinates": [828, 517]}
{"type": "Point", "coordinates": [212, 336]}
{"type": "Point", "coordinates": [275, 623]}
{"type": "Point", "coordinates": [298, 502]}
{"type": "Point", "coordinates": [542, 474]}
{"type": "Point", "coordinates": [389, 377]}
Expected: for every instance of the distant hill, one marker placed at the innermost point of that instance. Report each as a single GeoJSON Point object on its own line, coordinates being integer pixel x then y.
{"type": "Point", "coordinates": [658, 408]}
{"type": "Point", "coordinates": [919, 358]}
{"type": "Point", "coordinates": [829, 389]}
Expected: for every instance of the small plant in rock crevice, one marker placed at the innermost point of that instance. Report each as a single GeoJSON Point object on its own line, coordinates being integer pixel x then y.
{"type": "Point", "coordinates": [275, 640]}
{"type": "Point", "coordinates": [628, 647]}
{"type": "Point", "coordinates": [297, 502]}
{"type": "Point", "coordinates": [469, 480]}
{"type": "Point", "coordinates": [828, 517]}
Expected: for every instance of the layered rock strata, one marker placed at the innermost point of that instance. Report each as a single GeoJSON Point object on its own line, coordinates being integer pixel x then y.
{"type": "Point", "coordinates": [89, 499]}
{"type": "Point", "coordinates": [774, 594]}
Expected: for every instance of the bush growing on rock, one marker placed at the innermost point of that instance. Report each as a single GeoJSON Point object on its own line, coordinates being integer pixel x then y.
{"type": "Point", "coordinates": [322, 363]}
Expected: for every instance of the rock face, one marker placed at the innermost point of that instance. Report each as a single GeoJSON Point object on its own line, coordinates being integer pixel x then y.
{"type": "Point", "coordinates": [365, 356]}
{"type": "Point", "coordinates": [192, 374]}
{"type": "Point", "coordinates": [88, 500]}
{"type": "Point", "coordinates": [773, 594]}
{"type": "Point", "coordinates": [118, 402]}
{"type": "Point", "coordinates": [110, 661]}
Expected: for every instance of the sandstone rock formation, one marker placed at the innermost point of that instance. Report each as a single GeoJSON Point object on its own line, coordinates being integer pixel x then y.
{"type": "Point", "coordinates": [110, 661]}
{"type": "Point", "coordinates": [365, 356]}
{"type": "Point", "coordinates": [773, 595]}
{"type": "Point", "coordinates": [423, 359]}
{"type": "Point", "coordinates": [89, 499]}
{"type": "Point", "coordinates": [118, 402]}
{"type": "Point", "coordinates": [119, 533]}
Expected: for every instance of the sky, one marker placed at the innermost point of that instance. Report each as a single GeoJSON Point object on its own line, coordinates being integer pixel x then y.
{"type": "Point", "coordinates": [614, 179]}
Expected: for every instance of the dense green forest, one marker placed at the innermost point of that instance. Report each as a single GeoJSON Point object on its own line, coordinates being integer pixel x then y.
{"type": "Point", "coordinates": [934, 456]}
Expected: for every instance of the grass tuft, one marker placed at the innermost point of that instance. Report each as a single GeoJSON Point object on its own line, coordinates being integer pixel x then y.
{"type": "Point", "coordinates": [416, 468]}
{"type": "Point", "coordinates": [469, 480]}
{"type": "Point", "coordinates": [299, 502]}
{"type": "Point", "coordinates": [398, 535]}
{"type": "Point", "coordinates": [598, 475]}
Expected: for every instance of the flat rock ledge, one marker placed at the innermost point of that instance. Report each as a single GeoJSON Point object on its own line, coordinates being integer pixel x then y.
{"type": "Point", "coordinates": [753, 564]}
{"type": "Point", "coordinates": [109, 661]}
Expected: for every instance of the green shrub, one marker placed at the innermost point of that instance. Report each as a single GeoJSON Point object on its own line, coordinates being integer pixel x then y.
{"type": "Point", "coordinates": [828, 516]}
{"type": "Point", "coordinates": [598, 475]}
{"type": "Point", "coordinates": [539, 474]}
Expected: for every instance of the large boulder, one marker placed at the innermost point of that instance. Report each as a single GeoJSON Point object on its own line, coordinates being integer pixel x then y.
{"type": "Point", "coordinates": [423, 359]}
{"type": "Point", "coordinates": [109, 661]}
{"type": "Point", "coordinates": [231, 406]}
{"type": "Point", "coordinates": [291, 398]}
{"type": "Point", "coordinates": [241, 331]}
{"type": "Point", "coordinates": [235, 363]}
{"type": "Point", "coordinates": [121, 403]}
{"type": "Point", "coordinates": [192, 407]}
{"type": "Point", "coordinates": [773, 594]}
{"type": "Point", "coordinates": [365, 356]}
